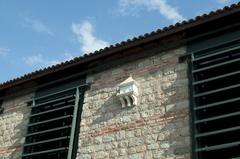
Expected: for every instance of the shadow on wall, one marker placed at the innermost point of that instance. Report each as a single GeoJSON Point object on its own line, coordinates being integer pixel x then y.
{"type": "Point", "coordinates": [13, 125]}
{"type": "Point", "coordinates": [109, 110]}
{"type": "Point", "coordinates": [163, 107]}
{"type": "Point", "coordinates": [170, 104]}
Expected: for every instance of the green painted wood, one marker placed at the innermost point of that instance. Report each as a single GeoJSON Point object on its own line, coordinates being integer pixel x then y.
{"type": "Point", "coordinates": [44, 152]}
{"type": "Point", "coordinates": [52, 110]}
{"type": "Point", "coordinates": [53, 100]}
{"type": "Point", "coordinates": [212, 119]}
{"type": "Point", "coordinates": [217, 103]}
{"type": "Point", "coordinates": [218, 132]}
{"type": "Point", "coordinates": [70, 151]}
{"type": "Point", "coordinates": [46, 141]}
{"type": "Point", "coordinates": [216, 53]}
{"type": "Point", "coordinates": [216, 147]}
{"type": "Point", "coordinates": [216, 65]}
{"type": "Point", "coordinates": [216, 90]}
{"type": "Point", "coordinates": [193, 42]}
{"type": "Point", "coordinates": [50, 120]}
{"type": "Point", "coordinates": [217, 117]}
{"type": "Point", "coordinates": [216, 78]}
{"type": "Point", "coordinates": [53, 120]}
{"type": "Point", "coordinates": [47, 131]}
{"type": "Point", "coordinates": [60, 88]}
{"type": "Point", "coordinates": [214, 42]}
{"type": "Point", "coordinates": [1, 108]}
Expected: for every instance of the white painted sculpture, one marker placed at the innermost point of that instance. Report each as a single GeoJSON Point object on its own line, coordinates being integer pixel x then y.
{"type": "Point", "coordinates": [128, 92]}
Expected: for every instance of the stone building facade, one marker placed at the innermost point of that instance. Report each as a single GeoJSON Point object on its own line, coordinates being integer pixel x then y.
{"type": "Point", "coordinates": [156, 128]}
{"type": "Point", "coordinates": [160, 126]}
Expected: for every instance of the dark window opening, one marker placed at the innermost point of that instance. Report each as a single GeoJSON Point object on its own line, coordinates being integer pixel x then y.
{"type": "Point", "coordinates": [216, 102]}
{"type": "Point", "coordinates": [53, 124]}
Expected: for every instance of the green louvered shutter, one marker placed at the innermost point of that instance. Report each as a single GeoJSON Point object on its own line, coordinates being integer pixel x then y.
{"type": "Point", "coordinates": [53, 123]}
{"type": "Point", "coordinates": [215, 75]}
{"type": "Point", "coordinates": [1, 108]}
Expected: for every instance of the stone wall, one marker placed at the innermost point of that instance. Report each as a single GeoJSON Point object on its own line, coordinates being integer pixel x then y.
{"type": "Point", "coordinates": [157, 128]}
{"type": "Point", "coordinates": [13, 124]}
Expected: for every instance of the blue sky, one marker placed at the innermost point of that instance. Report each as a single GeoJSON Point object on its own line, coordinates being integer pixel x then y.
{"type": "Point", "coordinates": [36, 34]}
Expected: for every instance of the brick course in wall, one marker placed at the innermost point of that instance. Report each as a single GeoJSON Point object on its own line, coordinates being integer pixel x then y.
{"type": "Point", "coordinates": [13, 124]}
{"type": "Point", "coordinates": [156, 128]}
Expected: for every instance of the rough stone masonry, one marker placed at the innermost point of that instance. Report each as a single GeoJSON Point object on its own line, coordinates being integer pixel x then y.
{"type": "Point", "coordinates": [157, 128]}
{"type": "Point", "coordinates": [13, 125]}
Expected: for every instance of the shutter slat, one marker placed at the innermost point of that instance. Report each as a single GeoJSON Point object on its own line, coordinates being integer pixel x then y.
{"type": "Point", "coordinates": [47, 131]}
{"type": "Point", "coordinates": [52, 101]}
{"type": "Point", "coordinates": [45, 152]}
{"type": "Point", "coordinates": [217, 117]}
{"type": "Point", "coordinates": [216, 65]}
{"type": "Point", "coordinates": [222, 146]}
{"type": "Point", "coordinates": [52, 110]}
{"type": "Point", "coordinates": [50, 120]}
{"type": "Point", "coordinates": [216, 53]}
{"type": "Point", "coordinates": [216, 78]}
{"type": "Point", "coordinates": [217, 103]}
{"type": "Point", "coordinates": [218, 131]}
{"type": "Point", "coordinates": [216, 90]}
{"type": "Point", "coordinates": [46, 141]}
{"type": "Point", "coordinates": [60, 92]}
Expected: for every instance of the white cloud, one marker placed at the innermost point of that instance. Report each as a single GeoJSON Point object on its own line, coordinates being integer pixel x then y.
{"type": "Point", "coordinates": [4, 51]}
{"type": "Point", "coordinates": [68, 56]}
{"type": "Point", "coordinates": [223, 1]}
{"type": "Point", "coordinates": [52, 62]}
{"type": "Point", "coordinates": [37, 26]}
{"type": "Point", "coordinates": [168, 11]}
{"type": "Point", "coordinates": [84, 32]}
{"type": "Point", "coordinates": [40, 60]}
{"type": "Point", "coordinates": [34, 59]}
